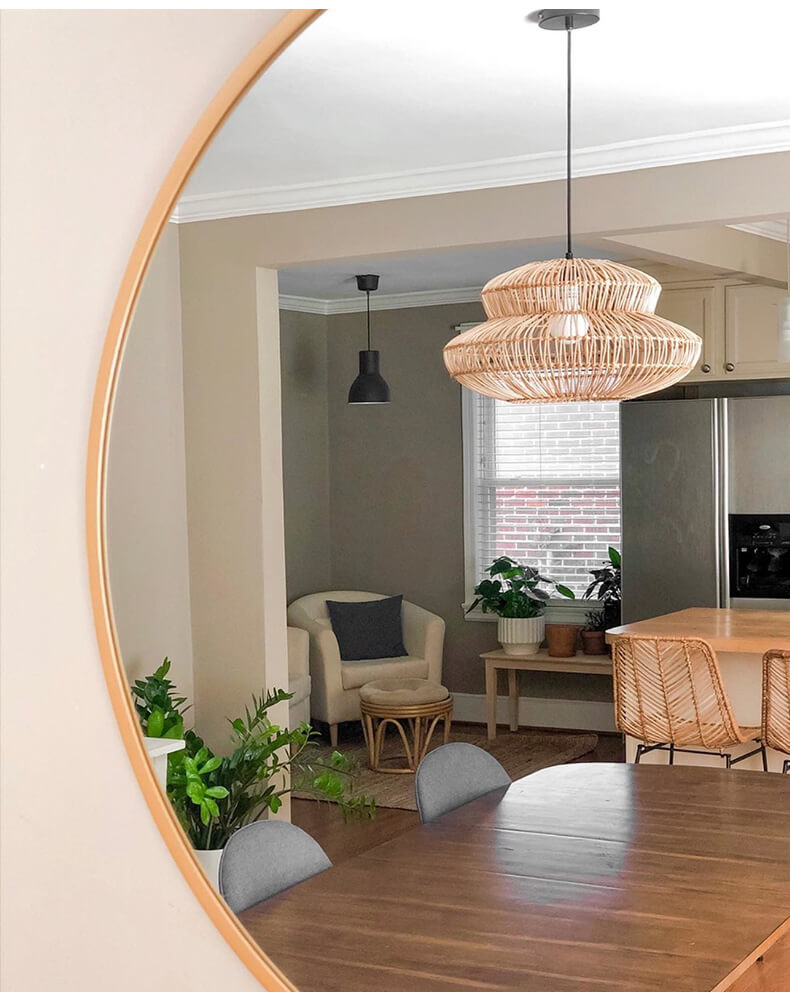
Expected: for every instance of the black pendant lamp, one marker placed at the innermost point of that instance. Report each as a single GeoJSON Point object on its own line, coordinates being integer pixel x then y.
{"type": "Point", "coordinates": [368, 386]}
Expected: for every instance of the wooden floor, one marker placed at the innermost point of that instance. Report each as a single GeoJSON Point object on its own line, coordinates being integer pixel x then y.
{"type": "Point", "coordinates": [342, 840]}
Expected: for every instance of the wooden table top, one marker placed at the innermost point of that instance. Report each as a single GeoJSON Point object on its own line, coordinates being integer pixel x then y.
{"type": "Point", "coordinates": [733, 630]}
{"type": "Point", "coordinates": [542, 662]}
{"type": "Point", "coordinates": [577, 877]}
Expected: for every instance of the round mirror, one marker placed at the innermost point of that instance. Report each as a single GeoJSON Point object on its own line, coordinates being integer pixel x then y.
{"type": "Point", "coordinates": [294, 510]}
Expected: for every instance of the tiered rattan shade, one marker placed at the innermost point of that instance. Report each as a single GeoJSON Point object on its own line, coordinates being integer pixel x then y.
{"type": "Point", "coordinates": [571, 329]}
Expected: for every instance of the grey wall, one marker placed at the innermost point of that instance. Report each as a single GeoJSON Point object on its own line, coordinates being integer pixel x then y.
{"type": "Point", "coordinates": [305, 399]}
{"type": "Point", "coordinates": [396, 474]}
{"type": "Point", "coordinates": [395, 509]}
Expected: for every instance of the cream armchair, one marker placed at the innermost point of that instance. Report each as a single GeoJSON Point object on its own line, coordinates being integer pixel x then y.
{"type": "Point", "coordinates": [335, 683]}
{"type": "Point", "coordinates": [298, 676]}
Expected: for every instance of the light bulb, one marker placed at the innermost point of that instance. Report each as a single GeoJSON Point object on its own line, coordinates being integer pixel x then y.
{"type": "Point", "coordinates": [568, 326]}
{"type": "Point", "coordinates": [783, 329]}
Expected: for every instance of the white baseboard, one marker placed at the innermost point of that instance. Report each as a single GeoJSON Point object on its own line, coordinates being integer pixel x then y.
{"type": "Point", "coordinates": [548, 713]}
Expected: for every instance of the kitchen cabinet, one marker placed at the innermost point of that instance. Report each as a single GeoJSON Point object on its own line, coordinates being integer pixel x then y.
{"type": "Point", "coordinates": [737, 321]}
{"type": "Point", "coordinates": [750, 332]}
{"type": "Point", "coordinates": [696, 308]}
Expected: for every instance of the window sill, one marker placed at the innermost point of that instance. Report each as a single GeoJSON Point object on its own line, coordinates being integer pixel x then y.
{"type": "Point", "coordinates": [559, 611]}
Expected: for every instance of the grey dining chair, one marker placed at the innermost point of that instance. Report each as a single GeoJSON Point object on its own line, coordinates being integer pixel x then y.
{"type": "Point", "coordinates": [454, 774]}
{"type": "Point", "coordinates": [265, 858]}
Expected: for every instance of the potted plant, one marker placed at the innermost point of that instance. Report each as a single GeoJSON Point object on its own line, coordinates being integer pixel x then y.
{"type": "Point", "coordinates": [514, 594]}
{"type": "Point", "coordinates": [593, 634]}
{"type": "Point", "coordinates": [213, 795]}
{"type": "Point", "coordinates": [605, 587]}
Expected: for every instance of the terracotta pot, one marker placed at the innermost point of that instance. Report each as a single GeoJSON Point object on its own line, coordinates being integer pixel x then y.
{"type": "Point", "coordinates": [562, 639]}
{"type": "Point", "coordinates": [593, 643]}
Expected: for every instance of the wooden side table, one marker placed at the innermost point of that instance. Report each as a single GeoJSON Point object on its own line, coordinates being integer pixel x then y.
{"type": "Point", "coordinates": [497, 659]}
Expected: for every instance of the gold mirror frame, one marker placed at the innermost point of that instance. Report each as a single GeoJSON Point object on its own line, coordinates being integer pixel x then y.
{"type": "Point", "coordinates": [273, 43]}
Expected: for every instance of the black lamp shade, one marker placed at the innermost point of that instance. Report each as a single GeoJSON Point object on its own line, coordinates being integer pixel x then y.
{"type": "Point", "coordinates": [369, 386]}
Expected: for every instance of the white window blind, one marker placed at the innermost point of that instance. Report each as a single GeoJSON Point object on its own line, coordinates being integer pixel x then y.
{"type": "Point", "coordinates": [542, 485]}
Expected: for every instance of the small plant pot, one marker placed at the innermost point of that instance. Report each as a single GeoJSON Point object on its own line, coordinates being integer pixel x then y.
{"type": "Point", "coordinates": [521, 636]}
{"type": "Point", "coordinates": [593, 643]}
{"type": "Point", "coordinates": [209, 862]}
{"type": "Point", "coordinates": [562, 639]}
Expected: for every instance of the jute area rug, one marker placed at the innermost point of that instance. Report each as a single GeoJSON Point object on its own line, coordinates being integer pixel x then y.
{"type": "Point", "coordinates": [520, 753]}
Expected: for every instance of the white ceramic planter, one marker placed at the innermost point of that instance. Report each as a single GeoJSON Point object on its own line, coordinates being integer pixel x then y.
{"type": "Point", "coordinates": [521, 636]}
{"type": "Point", "coordinates": [209, 862]}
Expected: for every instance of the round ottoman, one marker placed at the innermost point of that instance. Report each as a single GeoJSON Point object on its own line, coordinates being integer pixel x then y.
{"type": "Point", "coordinates": [420, 704]}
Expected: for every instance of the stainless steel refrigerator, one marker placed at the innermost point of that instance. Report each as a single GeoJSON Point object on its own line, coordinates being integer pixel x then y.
{"type": "Point", "coordinates": [705, 504]}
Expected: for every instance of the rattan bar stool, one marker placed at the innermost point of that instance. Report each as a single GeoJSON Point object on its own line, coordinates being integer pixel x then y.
{"type": "Point", "coordinates": [669, 695]}
{"type": "Point", "coordinates": [776, 702]}
{"type": "Point", "coordinates": [412, 703]}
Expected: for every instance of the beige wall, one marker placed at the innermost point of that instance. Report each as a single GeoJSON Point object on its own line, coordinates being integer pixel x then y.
{"type": "Point", "coordinates": [226, 406]}
{"type": "Point", "coordinates": [95, 108]}
{"type": "Point", "coordinates": [146, 483]}
{"type": "Point", "coordinates": [305, 418]}
{"type": "Point", "coordinates": [605, 206]}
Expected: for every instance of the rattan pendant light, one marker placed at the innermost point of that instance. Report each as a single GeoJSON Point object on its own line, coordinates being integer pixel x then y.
{"type": "Point", "coordinates": [571, 329]}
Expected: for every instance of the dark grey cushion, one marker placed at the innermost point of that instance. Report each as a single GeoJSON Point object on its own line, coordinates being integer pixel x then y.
{"type": "Point", "coordinates": [368, 630]}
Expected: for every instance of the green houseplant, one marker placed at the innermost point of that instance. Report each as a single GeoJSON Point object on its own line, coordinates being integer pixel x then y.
{"type": "Point", "coordinates": [605, 586]}
{"type": "Point", "coordinates": [215, 795]}
{"type": "Point", "coordinates": [593, 634]}
{"type": "Point", "coordinates": [517, 595]}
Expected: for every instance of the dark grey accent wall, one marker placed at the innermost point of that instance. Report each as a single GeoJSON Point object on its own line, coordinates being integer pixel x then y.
{"type": "Point", "coordinates": [396, 474]}
{"type": "Point", "coordinates": [303, 370]}
{"type": "Point", "coordinates": [395, 508]}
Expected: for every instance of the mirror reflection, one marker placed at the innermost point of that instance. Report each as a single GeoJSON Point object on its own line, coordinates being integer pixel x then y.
{"type": "Point", "coordinates": [367, 610]}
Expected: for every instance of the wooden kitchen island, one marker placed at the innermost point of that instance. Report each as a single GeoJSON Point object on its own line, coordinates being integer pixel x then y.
{"type": "Point", "coordinates": [739, 637]}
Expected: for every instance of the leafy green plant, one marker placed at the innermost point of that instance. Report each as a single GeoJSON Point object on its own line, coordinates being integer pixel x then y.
{"type": "Point", "coordinates": [515, 591]}
{"type": "Point", "coordinates": [605, 587]}
{"type": "Point", "coordinates": [213, 796]}
{"type": "Point", "coordinates": [160, 712]}
{"type": "Point", "coordinates": [595, 621]}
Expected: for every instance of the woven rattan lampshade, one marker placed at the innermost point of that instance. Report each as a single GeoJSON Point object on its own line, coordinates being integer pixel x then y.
{"type": "Point", "coordinates": [571, 329]}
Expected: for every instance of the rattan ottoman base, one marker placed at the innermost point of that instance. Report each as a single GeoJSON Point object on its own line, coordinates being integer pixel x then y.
{"type": "Point", "coordinates": [416, 725]}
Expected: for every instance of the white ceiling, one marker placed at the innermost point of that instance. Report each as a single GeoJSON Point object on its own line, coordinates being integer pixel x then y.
{"type": "Point", "coordinates": [392, 99]}
{"type": "Point", "coordinates": [448, 275]}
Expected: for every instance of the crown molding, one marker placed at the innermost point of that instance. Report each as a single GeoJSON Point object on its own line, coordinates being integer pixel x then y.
{"type": "Point", "coordinates": [637, 154]}
{"type": "Point", "coordinates": [772, 229]}
{"type": "Point", "coordinates": [398, 300]}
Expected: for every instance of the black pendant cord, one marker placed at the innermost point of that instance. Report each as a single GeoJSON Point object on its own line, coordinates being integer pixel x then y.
{"type": "Point", "coordinates": [367, 298]}
{"type": "Point", "coordinates": [569, 251]}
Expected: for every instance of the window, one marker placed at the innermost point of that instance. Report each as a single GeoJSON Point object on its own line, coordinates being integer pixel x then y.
{"type": "Point", "coordinates": [541, 484]}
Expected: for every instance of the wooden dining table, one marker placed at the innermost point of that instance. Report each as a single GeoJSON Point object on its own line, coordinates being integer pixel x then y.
{"type": "Point", "coordinates": [578, 877]}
